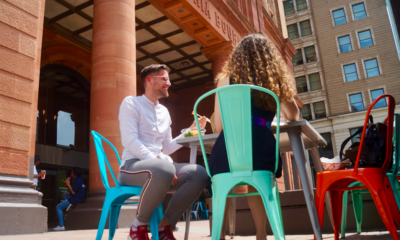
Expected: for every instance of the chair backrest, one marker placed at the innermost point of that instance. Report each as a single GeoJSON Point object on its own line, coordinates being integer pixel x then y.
{"type": "Point", "coordinates": [103, 160]}
{"type": "Point", "coordinates": [235, 107]}
{"type": "Point", "coordinates": [389, 143]}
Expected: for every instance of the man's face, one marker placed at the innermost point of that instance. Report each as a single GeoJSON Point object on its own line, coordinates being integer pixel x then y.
{"type": "Point", "coordinates": [160, 83]}
{"type": "Point", "coordinates": [36, 163]}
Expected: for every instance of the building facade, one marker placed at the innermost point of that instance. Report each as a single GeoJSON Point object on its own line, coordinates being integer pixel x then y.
{"type": "Point", "coordinates": [346, 57]}
{"type": "Point", "coordinates": [65, 67]}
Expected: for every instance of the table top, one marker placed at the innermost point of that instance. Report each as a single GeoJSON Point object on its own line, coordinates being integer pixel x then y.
{"type": "Point", "coordinates": [310, 136]}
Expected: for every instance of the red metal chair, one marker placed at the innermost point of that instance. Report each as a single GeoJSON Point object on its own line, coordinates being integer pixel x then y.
{"type": "Point", "coordinates": [374, 179]}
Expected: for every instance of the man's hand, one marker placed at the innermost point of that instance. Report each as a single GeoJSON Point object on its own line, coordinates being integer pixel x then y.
{"type": "Point", "coordinates": [43, 172]}
{"type": "Point", "coordinates": [202, 122]}
{"type": "Point", "coordinates": [67, 182]}
{"type": "Point", "coordinates": [175, 180]}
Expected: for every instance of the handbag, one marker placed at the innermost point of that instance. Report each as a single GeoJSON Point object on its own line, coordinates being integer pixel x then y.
{"type": "Point", "coordinates": [373, 152]}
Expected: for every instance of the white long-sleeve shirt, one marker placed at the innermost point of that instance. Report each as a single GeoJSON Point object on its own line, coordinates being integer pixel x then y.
{"type": "Point", "coordinates": [145, 130]}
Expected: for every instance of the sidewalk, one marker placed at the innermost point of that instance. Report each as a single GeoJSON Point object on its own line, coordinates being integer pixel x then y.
{"type": "Point", "coordinates": [198, 230]}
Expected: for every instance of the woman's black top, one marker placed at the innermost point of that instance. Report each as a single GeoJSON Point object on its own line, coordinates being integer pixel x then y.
{"type": "Point", "coordinates": [263, 147]}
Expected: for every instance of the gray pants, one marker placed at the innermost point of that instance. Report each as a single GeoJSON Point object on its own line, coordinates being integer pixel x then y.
{"type": "Point", "coordinates": [155, 176]}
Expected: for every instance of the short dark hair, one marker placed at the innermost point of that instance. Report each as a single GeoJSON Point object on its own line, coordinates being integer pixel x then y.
{"type": "Point", "coordinates": [77, 171]}
{"type": "Point", "coordinates": [37, 158]}
{"type": "Point", "coordinates": [151, 69]}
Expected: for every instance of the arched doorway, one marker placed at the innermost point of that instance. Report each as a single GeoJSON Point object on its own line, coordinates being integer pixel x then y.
{"type": "Point", "coordinates": [62, 130]}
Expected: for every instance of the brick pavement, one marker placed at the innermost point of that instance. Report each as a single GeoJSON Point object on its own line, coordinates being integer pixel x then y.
{"type": "Point", "coordinates": [198, 230]}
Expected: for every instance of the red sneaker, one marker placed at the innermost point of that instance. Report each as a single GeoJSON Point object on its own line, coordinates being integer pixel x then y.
{"type": "Point", "coordinates": [166, 234]}
{"type": "Point", "coordinates": [139, 234]}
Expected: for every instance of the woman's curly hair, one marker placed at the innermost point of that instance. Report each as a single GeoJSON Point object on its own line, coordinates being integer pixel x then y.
{"type": "Point", "coordinates": [255, 61]}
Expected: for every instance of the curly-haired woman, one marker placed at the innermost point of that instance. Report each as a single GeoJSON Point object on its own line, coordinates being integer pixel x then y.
{"type": "Point", "coordinates": [254, 61]}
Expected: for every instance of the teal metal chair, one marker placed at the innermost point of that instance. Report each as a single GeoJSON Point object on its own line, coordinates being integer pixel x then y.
{"type": "Point", "coordinates": [356, 195]}
{"type": "Point", "coordinates": [116, 196]}
{"type": "Point", "coordinates": [235, 106]}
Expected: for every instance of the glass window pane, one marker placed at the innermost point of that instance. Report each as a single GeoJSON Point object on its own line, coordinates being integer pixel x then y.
{"type": "Point", "coordinates": [310, 54]}
{"type": "Point", "coordinates": [301, 5]}
{"type": "Point", "coordinates": [315, 81]}
{"type": "Point", "coordinates": [301, 84]}
{"type": "Point", "coordinates": [365, 39]}
{"type": "Point", "coordinates": [305, 27]}
{"type": "Point", "coordinates": [371, 66]}
{"type": "Point", "coordinates": [356, 102]}
{"type": "Point", "coordinates": [357, 137]}
{"type": "Point", "coordinates": [289, 7]}
{"type": "Point", "coordinates": [319, 110]}
{"type": "Point", "coordinates": [359, 11]}
{"type": "Point", "coordinates": [327, 151]}
{"type": "Point", "coordinates": [298, 58]}
{"type": "Point", "coordinates": [293, 31]}
{"type": "Point", "coordinates": [65, 129]}
{"type": "Point", "coordinates": [375, 94]}
{"type": "Point", "coordinates": [350, 72]}
{"type": "Point", "coordinates": [339, 17]}
{"type": "Point", "coordinates": [344, 44]}
{"type": "Point", "coordinates": [305, 112]}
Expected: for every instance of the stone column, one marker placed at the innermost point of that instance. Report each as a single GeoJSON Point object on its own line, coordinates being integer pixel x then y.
{"type": "Point", "coordinates": [113, 75]}
{"type": "Point", "coordinates": [113, 79]}
{"type": "Point", "coordinates": [21, 30]}
{"type": "Point", "coordinates": [217, 55]}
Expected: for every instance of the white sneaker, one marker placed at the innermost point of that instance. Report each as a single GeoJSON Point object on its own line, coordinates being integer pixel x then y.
{"type": "Point", "coordinates": [59, 228]}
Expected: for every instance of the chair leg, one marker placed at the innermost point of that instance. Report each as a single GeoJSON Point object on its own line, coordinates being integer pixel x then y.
{"type": "Point", "coordinates": [344, 215]}
{"type": "Point", "coordinates": [392, 202]}
{"type": "Point", "coordinates": [113, 220]}
{"type": "Point", "coordinates": [377, 190]}
{"type": "Point", "coordinates": [395, 187]}
{"type": "Point", "coordinates": [155, 221]}
{"type": "Point", "coordinates": [337, 204]}
{"type": "Point", "coordinates": [103, 219]}
{"type": "Point", "coordinates": [218, 216]}
{"type": "Point", "coordinates": [320, 203]}
{"type": "Point", "coordinates": [357, 206]}
{"type": "Point", "coordinates": [271, 207]}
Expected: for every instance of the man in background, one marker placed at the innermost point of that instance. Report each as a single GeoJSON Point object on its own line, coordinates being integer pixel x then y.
{"type": "Point", "coordinates": [77, 195]}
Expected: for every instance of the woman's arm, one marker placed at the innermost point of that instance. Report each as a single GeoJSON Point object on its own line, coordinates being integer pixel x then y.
{"type": "Point", "coordinates": [217, 112]}
{"type": "Point", "coordinates": [290, 111]}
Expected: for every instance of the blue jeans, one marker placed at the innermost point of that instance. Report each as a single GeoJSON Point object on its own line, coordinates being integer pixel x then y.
{"type": "Point", "coordinates": [60, 207]}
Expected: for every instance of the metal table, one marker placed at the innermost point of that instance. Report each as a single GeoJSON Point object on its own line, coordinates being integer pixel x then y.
{"type": "Point", "coordinates": [295, 137]}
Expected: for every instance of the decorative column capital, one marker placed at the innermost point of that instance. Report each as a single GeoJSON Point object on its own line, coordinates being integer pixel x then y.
{"type": "Point", "coordinates": [218, 52]}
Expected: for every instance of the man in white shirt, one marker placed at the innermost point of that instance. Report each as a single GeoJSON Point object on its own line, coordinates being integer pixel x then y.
{"type": "Point", "coordinates": [145, 127]}
{"type": "Point", "coordinates": [37, 175]}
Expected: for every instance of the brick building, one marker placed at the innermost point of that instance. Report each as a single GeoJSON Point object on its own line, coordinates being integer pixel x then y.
{"type": "Point", "coordinates": [346, 57]}
{"type": "Point", "coordinates": [66, 65]}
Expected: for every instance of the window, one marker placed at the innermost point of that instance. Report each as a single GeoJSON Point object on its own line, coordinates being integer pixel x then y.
{"type": "Point", "coordinates": [298, 58]}
{"type": "Point", "coordinates": [339, 17]}
{"type": "Point", "coordinates": [359, 11]}
{"type": "Point", "coordinates": [301, 84]}
{"type": "Point", "coordinates": [371, 67]}
{"type": "Point", "coordinates": [356, 102]}
{"type": "Point", "coordinates": [305, 28]}
{"type": "Point", "coordinates": [365, 39]}
{"type": "Point", "coordinates": [375, 94]}
{"type": "Point", "coordinates": [301, 5]}
{"type": "Point", "coordinates": [289, 7]}
{"type": "Point", "coordinates": [293, 31]}
{"type": "Point", "coordinates": [319, 110]}
{"type": "Point", "coordinates": [310, 54]}
{"type": "Point", "coordinates": [357, 137]}
{"type": "Point", "coordinates": [315, 81]}
{"type": "Point", "coordinates": [350, 72]}
{"type": "Point", "coordinates": [305, 112]}
{"type": "Point", "coordinates": [327, 151]}
{"type": "Point", "coordinates": [344, 44]}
